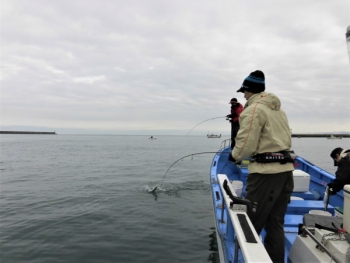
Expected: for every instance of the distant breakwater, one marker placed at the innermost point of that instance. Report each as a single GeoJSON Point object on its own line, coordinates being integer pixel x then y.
{"type": "Point", "coordinates": [25, 132]}
{"type": "Point", "coordinates": [319, 135]}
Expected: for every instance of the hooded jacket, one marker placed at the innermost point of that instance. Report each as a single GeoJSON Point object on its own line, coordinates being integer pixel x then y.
{"type": "Point", "coordinates": [263, 128]}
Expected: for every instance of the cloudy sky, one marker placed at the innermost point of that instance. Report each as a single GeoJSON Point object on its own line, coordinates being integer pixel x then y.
{"type": "Point", "coordinates": [161, 67]}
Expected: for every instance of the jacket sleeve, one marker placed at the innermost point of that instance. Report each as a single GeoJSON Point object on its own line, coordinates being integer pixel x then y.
{"type": "Point", "coordinates": [342, 175]}
{"type": "Point", "coordinates": [248, 136]}
{"type": "Point", "coordinates": [238, 113]}
{"type": "Point", "coordinates": [232, 114]}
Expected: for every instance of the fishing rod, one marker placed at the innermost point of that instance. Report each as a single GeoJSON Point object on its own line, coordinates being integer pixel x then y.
{"type": "Point", "coordinates": [182, 159]}
{"type": "Point", "coordinates": [202, 122]}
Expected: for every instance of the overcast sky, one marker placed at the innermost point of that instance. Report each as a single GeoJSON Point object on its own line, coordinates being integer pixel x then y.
{"type": "Point", "coordinates": [161, 67]}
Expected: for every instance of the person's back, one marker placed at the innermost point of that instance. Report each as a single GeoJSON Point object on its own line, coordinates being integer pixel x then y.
{"type": "Point", "coordinates": [264, 132]}
{"type": "Point", "coordinates": [264, 128]}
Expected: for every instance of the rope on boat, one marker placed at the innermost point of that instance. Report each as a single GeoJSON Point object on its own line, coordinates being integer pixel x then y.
{"type": "Point", "coordinates": [202, 122]}
{"type": "Point", "coordinates": [188, 156]}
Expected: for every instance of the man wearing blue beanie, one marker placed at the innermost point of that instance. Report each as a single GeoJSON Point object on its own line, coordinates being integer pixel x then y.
{"type": "Point", "coordinates": [254, 83]}
{"type": "Point", "coordinates": [264, 133]}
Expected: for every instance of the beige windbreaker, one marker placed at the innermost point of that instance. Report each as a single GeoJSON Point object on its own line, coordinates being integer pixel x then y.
{"type": "Point", "coordinates": [263, 128]}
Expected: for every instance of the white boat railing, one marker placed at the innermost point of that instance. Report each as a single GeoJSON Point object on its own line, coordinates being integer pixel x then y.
{"type": "Point", "coordinates": [252, 252]}
{"type": "Point", "coordinates": [225, 143]}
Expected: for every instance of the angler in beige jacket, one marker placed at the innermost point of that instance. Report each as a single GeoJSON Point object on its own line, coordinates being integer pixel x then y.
{"type": "Point", "coordinates": [264, 130]}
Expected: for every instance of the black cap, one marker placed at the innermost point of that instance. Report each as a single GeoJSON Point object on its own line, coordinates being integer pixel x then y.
{"type": "Point", "coordinates": [334, 153]}
{"type": "Point", "coordinates": [254, 83]}
{"type": "Point", "coordinates": [233, 99]}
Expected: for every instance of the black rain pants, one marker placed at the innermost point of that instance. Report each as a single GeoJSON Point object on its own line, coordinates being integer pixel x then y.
{"type": "Point", "coordinates": [234, 130]}
{"type": "Point", "coordinates": [272, 194]}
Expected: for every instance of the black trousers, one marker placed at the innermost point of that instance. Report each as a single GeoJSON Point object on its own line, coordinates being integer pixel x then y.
{"type": "Point", "coordinates": [234, 130]}
{"type": "Point", "coordinates": [272, 193]}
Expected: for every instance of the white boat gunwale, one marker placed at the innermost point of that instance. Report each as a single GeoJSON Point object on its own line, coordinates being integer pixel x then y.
{"type": "Point", "coordinates": [252, 252]}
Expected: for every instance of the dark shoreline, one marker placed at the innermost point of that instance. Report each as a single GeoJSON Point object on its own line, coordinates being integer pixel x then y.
{"type": "Point", "coordinates": [324, 135]}
{"type": "Point", "coordinates": [26, 132]}
{"type": "Point", "coordinates": [298, 135]}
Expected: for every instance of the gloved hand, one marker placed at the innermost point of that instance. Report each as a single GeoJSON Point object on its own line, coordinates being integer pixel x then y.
{"type": "Point", "coordinates": [231, 159]}
{"type": "Point", "coordinates": [330, 189]}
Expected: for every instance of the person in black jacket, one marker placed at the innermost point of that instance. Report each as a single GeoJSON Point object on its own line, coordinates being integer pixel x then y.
{"type": "Point", "coordinates": [342, 175]}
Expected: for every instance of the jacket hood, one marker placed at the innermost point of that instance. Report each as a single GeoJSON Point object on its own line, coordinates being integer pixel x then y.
{"type": "Point", "coordinates": [268, 99]}
{"type": "Point", "coordinates": [345, 153]}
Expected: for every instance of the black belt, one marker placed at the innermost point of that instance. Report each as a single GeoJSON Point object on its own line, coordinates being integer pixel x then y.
{"type": "Point", "coordinates": [281, 157]}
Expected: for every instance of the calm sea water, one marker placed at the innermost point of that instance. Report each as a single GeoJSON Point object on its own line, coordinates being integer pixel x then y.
{"type": "Point", "coordinates": [75, 198]}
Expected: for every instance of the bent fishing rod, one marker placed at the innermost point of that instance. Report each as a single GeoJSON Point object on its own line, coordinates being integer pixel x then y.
{"type": "Point", "coordinates": [204, 121]}
{"type": "Point", "coordinates": [185, 157]}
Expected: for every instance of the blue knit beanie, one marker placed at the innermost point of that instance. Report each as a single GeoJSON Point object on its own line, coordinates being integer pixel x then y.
{"type": "Point", "coordinates": [254, 83]}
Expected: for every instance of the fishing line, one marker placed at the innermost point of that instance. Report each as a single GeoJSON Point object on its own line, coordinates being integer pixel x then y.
{"type": "Point", "coordinates": [202, 122]}
{"type": "Point", "coordinates": [182, 159]}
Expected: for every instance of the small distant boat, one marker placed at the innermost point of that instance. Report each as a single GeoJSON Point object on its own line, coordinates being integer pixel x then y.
{"type": "Point", "coordinates": [152, 138]}
{"type": "Point", "coordinates": [334, 137]}
{"type": "Point", "coordinates": [213, 136]}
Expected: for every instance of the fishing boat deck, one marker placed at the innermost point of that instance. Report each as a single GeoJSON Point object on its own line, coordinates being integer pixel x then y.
{"type": "Point", "coordinates": [309, 199]}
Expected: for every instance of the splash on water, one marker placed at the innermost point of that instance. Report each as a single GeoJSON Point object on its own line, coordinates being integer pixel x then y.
{"type": "Point", "coordinates": [178, 189]}
{"type": "Point", "coordinates": [153, 189]}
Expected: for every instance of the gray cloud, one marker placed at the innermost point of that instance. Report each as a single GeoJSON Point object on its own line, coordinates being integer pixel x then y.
{"type": "Point", "coordinates": [159, 65]}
